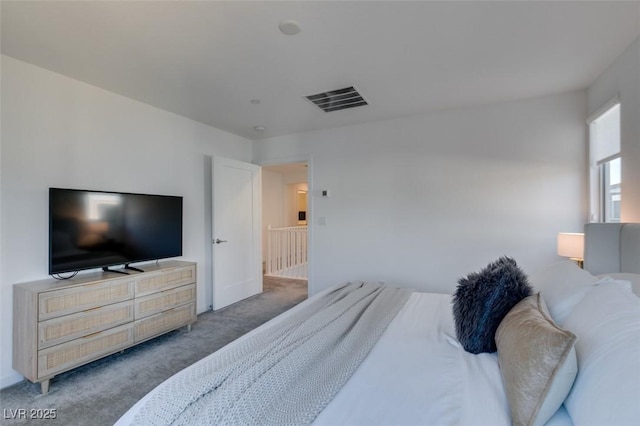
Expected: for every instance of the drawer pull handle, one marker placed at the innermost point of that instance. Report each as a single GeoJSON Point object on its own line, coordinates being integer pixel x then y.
{"type": "Point", "coordinates": [88, 336]}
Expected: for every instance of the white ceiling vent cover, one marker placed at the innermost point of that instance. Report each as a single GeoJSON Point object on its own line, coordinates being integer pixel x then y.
{"type": "Point", "coordinates": [336, 100]}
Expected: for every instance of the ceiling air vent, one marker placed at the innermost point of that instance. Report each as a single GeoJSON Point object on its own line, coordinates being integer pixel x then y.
{"type": "Point", "coordinates": [338, 99]}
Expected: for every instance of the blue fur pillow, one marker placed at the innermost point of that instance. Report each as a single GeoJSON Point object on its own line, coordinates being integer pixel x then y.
{"type": "Point", "coordinates": [482, 299]}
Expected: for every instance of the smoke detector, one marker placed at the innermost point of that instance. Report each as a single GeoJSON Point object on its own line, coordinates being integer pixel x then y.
{"type": "Point", "coordinates": [289, 27]}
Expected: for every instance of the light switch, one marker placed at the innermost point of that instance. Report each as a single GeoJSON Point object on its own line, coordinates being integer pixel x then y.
{"type": "Point", "coordinates": [322, 220]}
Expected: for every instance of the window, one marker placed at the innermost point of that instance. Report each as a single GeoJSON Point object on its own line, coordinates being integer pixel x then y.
{"type": "Point", "coordinates": [605, 164]}
{"type": "Point", "coordinates": [610, 172]}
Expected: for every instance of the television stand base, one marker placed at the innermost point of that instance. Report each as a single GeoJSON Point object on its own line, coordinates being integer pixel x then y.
{"type": "Point", "coordinates": [106, 269]}
{"type": "Point", "coordinates": [131, 268]}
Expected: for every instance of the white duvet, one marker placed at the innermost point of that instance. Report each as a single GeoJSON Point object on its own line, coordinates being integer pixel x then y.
{"type": "Point", "coordinates": [417, 374]}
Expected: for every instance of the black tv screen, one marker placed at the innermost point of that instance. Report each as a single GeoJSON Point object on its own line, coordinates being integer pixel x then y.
{"type": "Point", "coordinates": [97, 229]}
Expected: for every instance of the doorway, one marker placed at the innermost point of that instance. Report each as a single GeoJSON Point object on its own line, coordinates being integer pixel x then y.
{"type": "Point", "coordinates": [285, 218]}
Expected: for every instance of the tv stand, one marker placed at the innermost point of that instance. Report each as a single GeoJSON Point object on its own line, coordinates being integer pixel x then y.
{"type": "Point", "coordinates": [61, 325]}
{"type": "Point", "coordinates": [106, 269]}
{"type": "Point", "coordinates": [132, 268]}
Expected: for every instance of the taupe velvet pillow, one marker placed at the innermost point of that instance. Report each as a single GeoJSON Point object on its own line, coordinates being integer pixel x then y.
{"type": "Point", "coordinates": [537, 361]}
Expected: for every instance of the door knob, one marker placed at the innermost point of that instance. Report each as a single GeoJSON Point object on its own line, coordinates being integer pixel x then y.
{"type": "Point", "coordinates": [218, 241]}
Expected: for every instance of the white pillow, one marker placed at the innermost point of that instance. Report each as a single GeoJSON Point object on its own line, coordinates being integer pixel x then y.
{"type": "Point", "coordinates": [562, 285]}
{"type": "Point", "coordinates": [634, 279]}
{"type": "Point", "coordinates": [606, 390]}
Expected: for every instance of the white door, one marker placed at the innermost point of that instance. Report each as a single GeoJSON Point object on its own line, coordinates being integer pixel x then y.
{"type": "Point", "coordinates": [237, 269]}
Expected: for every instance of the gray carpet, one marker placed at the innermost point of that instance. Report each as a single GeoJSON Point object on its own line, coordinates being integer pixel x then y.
{"type": "Point", "coordinates": [100, 392]}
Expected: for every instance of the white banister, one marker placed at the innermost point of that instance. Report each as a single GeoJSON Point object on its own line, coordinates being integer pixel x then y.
{"type": "Point", "coordinates": [287, 252]}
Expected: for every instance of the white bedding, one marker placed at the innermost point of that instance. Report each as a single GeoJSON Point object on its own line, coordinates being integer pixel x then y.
{"type": "Point", "coordinates": [416, 374]}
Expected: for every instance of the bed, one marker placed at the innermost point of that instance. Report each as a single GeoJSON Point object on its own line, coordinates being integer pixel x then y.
{"type": "Point", "coordinates": [400, 358]}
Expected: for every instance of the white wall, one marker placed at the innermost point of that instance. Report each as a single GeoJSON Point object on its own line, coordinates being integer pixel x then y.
{"type": "Point", "coordinates": [422, 201]}
{"type": "Point", "coordinates": [622, 78]}
{"type": "Point", "coordinates": [59, 132]}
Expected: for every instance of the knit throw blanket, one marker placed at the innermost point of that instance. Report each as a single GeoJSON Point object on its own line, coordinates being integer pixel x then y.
{"type": "Point", "coordinates": [285, 374]}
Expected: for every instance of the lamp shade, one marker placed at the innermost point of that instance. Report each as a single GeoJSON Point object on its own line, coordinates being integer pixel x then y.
{"type": "Point", "coordinates": [571, 245]}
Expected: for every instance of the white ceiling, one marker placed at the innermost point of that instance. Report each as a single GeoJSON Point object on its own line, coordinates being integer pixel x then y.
{"type": "Point", "coordinates": [207, 60]}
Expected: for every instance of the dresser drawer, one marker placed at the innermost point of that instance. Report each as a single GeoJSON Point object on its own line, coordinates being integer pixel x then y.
{"type": "Point", "coordinates": [62, 329]}
{"type": "Point", "coordinates": [56, 359]}
{"type": "Point", "coordinates": [56, 303]}
{"type": "Point", "coordinates": [160, 323]}
{"type": "Point", "coordinates": [165, 280]}
{"type": "Point", "coordinates": [165, 300]}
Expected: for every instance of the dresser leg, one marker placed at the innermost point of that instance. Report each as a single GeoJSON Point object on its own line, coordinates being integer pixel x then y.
{"type": "Point", "coordinates": [188, 328]}
{"type": "Point", "coordinates": [44, 386]}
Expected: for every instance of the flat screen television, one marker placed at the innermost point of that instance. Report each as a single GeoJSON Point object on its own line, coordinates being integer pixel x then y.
{"type": "Point", "coordinates": [98, 229]}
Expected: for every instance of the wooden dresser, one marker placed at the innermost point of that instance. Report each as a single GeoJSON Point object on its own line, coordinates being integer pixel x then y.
{"type": "Point", "coordinates": [60, 325]}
